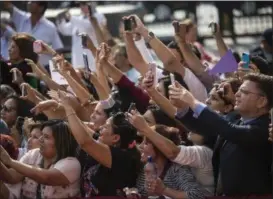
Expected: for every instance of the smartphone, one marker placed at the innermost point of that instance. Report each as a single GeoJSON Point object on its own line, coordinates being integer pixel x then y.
{"type": "Point", "coordinates": [213, 27]}
{"type": "Point", "coordinates": [132, 107]}
{"type": "Point", "coordinates": [24, 90]}
{"type": "Point", "coordinates": [14, 76]}
{"type": "Point", "coordinates": [19, 124]}
{"type": "Point", "coordinates": [176, 26]}
{"type": "Point", "coordinates": [84, 40]}
{"type": "Point", "coordinates": [37, 46]}
{"type": "Point", "coordinates": [127, 25]}
{"type": "Point", "coordinates": [246, 60]}
{"type": "Point", "coordinates": [172, 78]}
{"type": "Point", "coordinates": [90, 10]}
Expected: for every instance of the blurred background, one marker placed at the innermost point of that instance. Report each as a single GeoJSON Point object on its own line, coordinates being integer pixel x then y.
{"type": "Point", "coordinates": [242, 22]}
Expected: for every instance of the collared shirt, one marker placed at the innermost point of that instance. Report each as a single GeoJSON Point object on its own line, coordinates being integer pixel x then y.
{"type": "Point", "coordinates": [81, 24]}
{"type": "Point", "coordinates": [44, 30]}
{"type": "Point", "coordinates": [5, 41]}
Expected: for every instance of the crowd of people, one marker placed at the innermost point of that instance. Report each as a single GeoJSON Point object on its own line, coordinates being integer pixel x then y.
{"type": "Point", "coordinates": [113, 108]}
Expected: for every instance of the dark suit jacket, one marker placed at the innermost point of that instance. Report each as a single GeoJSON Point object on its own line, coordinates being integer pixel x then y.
{"type": "Point", "coordinates": [243, 154]}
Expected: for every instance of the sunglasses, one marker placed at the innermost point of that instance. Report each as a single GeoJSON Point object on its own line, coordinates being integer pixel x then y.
{"type": "Point", "coordinates": [7, 109]}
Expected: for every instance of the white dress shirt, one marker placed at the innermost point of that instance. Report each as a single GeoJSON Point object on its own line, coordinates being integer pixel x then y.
{"type": "Point", "coordinates": [76, 25]}
{"type": "Point", "coordinates": [44, 30]}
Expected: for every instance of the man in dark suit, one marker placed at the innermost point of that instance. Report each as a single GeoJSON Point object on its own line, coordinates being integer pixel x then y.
{"type": "Point", "coordinates": [243, 155]}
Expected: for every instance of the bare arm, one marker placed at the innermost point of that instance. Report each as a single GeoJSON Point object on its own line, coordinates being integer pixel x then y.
{"type": "Point", "coordinates": [134, 56]}
{"type": "Point", "coordinates": [97, 150]}
{"type": "Point", "coordinates": [222, 47]}
{"type": "Point", "coordinates": [51, 177]}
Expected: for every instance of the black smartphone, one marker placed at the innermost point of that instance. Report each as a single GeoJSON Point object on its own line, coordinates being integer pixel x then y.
{"type": "Point", "coordinates": [127, 24]}
{"type": "Point", "coordinates": [132, 107]}
{"type": "Point", "coordinates": [213, 27]}
{"type": "Point", "coordinates": [176, 26]}
{"type": "Point", "coordinates": [84, 40]}
{"type": "Point", "coordinates": [19, 124]}
{"type": "Point", "coordinates": [90, 10]}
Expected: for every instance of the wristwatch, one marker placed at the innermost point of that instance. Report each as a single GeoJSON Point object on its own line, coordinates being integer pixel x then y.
{"type": "Point", "coordinates": [151, 36]}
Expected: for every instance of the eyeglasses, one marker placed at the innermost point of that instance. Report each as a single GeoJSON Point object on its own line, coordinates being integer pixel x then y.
{"type": "Point", "coordinates": [246, 92]}
{"type": "Point", "coordinates": [7, 109]}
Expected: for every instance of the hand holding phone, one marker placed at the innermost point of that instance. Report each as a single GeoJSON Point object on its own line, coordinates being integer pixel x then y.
{"type": "Point", "coordinates": [37, 47]}
{"type": "Point", "coordinates": [246, 60]}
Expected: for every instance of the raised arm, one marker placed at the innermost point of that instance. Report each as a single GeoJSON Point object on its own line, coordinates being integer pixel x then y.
{"type": "Point", "coordinates": [222, 47]}
{"type": "Point", "coordinates": [163, 52]}
{"type": "Point", "coordinates": [97, 150]}
{"type": "Point", "coordinates": [191, 59]}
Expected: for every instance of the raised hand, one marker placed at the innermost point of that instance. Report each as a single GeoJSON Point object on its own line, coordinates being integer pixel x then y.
{"type": "Point", "coordinates": [270, 133]}
{"type": "Point", "coordinates": [148, 81]}
{"type": "Point", "coordinates": [180, 95]}
{"type": "Point", "coordinates": [5, 157]}
{"type": "Point", "coordinates": [180, 31]}
{"type": "Point", "coordinates": [36, 72]}
{"type": "Point", "coordinates": [30, 93]}
{"type": "Point", "coordinates": [137, 121]}
{"type": "Point", "coordinates": [19, 76]}
{"type": "Point", "coordinates": [44, 106]}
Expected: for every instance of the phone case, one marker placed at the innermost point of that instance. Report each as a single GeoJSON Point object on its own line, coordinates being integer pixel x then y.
{"type": "Point", "coordinates": [246, 60]}
{"type": "Point", "coordinates": [152, 68]}
{"type": "Point", "coordinates": [37, 47]}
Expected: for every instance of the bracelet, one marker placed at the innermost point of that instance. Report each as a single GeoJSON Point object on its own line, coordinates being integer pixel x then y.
{"type": "Point", "coordinates": [70, 114]}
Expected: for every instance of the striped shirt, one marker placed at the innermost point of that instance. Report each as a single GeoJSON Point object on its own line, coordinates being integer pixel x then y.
{"type": "Point", "coordinates": [179, 178]}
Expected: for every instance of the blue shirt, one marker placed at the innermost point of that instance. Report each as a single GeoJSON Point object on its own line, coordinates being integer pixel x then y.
{"type": "Point", "coordinates": [44, 30]}
{"type": "Point", "coordinates": [5, 41]}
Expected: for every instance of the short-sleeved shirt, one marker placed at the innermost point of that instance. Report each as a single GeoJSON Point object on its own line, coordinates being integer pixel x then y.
{"type": "Point", "coordinates": [179, 178]}
{"type": "Point", "coordinates": [98, 180]}
{"type": "Point", "coordinates": [69, 167]}
{"type": "Point", "coordinates": [44, 30]}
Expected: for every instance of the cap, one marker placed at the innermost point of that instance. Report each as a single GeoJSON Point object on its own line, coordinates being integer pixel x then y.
{"type": "Point", "coordinates": [261, 64]}
{"type": "Point", "coordinates": [268, 36]}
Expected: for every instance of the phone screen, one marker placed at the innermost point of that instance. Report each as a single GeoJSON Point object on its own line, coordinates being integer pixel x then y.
{"type": "Point", "coordinates": [127, 25]}
{"type": "Point", "coordinates": [246, 60]}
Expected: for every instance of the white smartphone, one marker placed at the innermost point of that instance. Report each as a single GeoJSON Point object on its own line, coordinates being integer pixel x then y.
{"type": "Point", "coordinates": [24, 90]}
{"type": "Point", "coordinates": [37, 47]}
{"type": "Point", "coordinates": [172, 78]}
{"type": "Point", "coordinates": [152, 68]}
{"type": "Point", "coordinates": [14, 75]}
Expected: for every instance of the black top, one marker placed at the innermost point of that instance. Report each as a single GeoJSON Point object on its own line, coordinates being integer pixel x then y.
{"type": "Point", "coordinates": [243, 155]}
{"type": "Point", "coordinates": [98, 180]}
{"type": "Point", "coordinates": [6, 75]}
